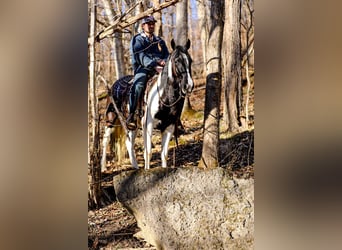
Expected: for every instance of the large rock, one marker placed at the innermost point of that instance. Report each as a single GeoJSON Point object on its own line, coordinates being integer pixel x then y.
{"type": "Point", "coordinates": [189, 208]}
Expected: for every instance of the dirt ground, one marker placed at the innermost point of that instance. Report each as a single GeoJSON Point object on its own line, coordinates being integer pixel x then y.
{"type": "Point", "coordinates": [113, 227]}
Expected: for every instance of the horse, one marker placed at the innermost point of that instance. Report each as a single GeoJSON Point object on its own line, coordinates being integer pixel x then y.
{"type": "Point", "coordinates": [163, 100]}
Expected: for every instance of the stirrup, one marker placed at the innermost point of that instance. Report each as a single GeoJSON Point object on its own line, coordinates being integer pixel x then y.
{"type": "Point", "coordinates": [131, 126]}
{"type": "Point", "coordinates": [131, 122]}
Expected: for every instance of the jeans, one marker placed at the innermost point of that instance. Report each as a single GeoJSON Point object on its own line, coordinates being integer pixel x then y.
{"type": "Point", "coordinates": [140, 78]}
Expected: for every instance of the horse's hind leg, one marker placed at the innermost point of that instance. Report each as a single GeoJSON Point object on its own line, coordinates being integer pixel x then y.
{"type": "Point", "coordinates": [166, 137]}
{"type": "Point", "coordinates": [130, 147]}
{"type": "Point", "coordinates": [147, 135]}
{"type": "Point", "coordinates": [106, 139]}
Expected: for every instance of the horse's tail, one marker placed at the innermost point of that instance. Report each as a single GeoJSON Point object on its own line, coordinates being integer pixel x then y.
{"type": "Point", "coordinates": [119, 139]}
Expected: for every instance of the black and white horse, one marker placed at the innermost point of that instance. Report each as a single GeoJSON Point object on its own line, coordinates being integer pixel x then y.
{"type": "Point", "coordinates": [163, 106]}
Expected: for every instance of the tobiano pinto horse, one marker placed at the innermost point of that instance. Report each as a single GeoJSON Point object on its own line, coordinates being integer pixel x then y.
{"type": "Point", "coordinates": [163, 100]}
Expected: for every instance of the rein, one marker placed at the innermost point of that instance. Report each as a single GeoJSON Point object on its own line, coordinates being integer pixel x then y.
{"type": "Point", "coordinates": [169, 105]}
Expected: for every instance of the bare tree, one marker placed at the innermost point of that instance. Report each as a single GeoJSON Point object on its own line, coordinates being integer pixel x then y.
{"type": "Point", "coordinates": [158, 16]}
{"type": "Point", "coordinates": [94, 184]}
{"type": "Point", "coordinates": [232, 64]}
{"type": "Point", "coordinates": [247, 53]}
{"type": "Point", "coordinates": [210, 148]}
{"type": "Point", "coordinates": [182, 22]}
{"type": "Point", "coordinates": [181, 38]}
{"type": "Point", "coordinates": [169, 24]}
{"type": "Point", "coordinates": [203, 28]}
{"type": "Point", "coordinates": [116, 43]}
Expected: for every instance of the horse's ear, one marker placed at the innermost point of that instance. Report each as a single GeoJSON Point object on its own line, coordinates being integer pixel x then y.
{"type": "Point", "coordinates": [187, 44]}
{"type": "Point", "coordinates": [173, 45]}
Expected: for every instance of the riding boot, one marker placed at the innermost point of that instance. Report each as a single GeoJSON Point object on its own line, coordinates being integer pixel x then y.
{"type": "Point", "coordinates": [131, 122]}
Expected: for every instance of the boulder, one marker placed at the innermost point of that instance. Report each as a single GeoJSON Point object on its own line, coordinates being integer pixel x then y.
{"type": "Point", "coordinates": [189, 208]}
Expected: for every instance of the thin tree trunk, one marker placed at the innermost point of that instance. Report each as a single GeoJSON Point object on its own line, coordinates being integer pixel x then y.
{"type": "Point", "coordinates": [172, 25]}
{"type": "Point", "coordinates": [118, 56]}
{"type": "Point", "coordinates": [118, 47]}
{"type": "Point", "coordinates": [247, 93]}
{"type": "Point", "coordinates": [181, 38]}
{"type": "Point", "coordinates": [203, 27]}
{"type": "Point", "coordinates": [140, 9]}
{"type": "Point", "coordinates": [210, 151]}
{"type": "Point", "coordinates": [94, 185]}
{"type": "Point", "coordinates": [232, 64]}
{"type": "Point", "coordinates": [245, 119]}
{"type": "Point", "coordinates": [158, 29]}
{"type": "Point", "coordinates": [181, 22]}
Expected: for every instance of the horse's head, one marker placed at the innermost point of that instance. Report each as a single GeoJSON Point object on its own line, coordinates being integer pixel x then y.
{"type": "Point", "coordinates": [180, 66]}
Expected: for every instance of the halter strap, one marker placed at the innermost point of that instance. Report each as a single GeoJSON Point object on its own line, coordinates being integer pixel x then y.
{"type": "Point", "coordinates": [174, 74]}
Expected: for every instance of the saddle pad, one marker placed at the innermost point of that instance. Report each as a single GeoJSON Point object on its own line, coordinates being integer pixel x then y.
{"type": "Point", "coordinates": [121, 87]}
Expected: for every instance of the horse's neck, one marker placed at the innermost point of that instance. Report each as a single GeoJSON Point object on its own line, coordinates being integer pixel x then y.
{"type": "Point", "coordinates": [166, 75]}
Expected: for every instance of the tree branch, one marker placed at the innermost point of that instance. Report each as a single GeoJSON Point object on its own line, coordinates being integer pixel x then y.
{"type": "Point", "coordinates": [120, 23]}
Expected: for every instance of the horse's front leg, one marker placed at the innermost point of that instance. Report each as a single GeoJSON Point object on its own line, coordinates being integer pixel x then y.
{"type": "Point", "coordinates": [130, 147]}
{"type": "Point", "coordinates": [106, 140]}
{"type": "Point", "coordinates": [166, 137]}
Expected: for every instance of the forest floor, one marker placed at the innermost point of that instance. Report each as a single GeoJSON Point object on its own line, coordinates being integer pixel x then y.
{"type": "Point", "coordinates": [113, 227]}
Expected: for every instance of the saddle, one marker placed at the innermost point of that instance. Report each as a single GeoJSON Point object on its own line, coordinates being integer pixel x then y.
{"type": "Point", "coordinates": [120, 95]}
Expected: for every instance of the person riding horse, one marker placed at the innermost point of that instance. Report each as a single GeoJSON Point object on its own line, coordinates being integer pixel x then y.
{"type": "Point", "coordinates": [148, 55]}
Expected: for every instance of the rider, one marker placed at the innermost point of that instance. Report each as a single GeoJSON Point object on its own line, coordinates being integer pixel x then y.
{"type": "Point", "coordinates": [148, 54]}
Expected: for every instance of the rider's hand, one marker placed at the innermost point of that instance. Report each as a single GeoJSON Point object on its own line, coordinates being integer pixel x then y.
{"type": "Point", "coordinates": [161, 62]}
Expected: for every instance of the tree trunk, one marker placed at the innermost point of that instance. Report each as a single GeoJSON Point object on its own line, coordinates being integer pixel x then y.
{"type": "Point", "coordinates": [172, 26]}
{"type": "Point", "coordinates": [232, 64]}
{"type": "Point", "coordinates": [118, 47]}
{"type": "Point", "coordinates": [210, 151]}
{"type": "Point", "coordinates": [94, 182]}
{"type": "Point", "coordinates": [158, 29]}
{"type": "Point", "coordinates": [181, 38]}
{"type": "Point", "coordinates": [203, 27]}
{"type": "Point", "coordinates": [181, 22]}
{"type": "Point", "coordinates": [140, 9]}
{"type": "Point", "coordinates": [118, 56]}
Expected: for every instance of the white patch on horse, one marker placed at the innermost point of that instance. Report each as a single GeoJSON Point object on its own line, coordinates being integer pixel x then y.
{"type": "Point", "coordinates": [169, 70]}
{"type": "Point", "coordinates": [190, 82]}
{"type": "Point", "coordinates": [166, 137]}
{"type": "Point", "coordinates": [153, 96]}
{"type": "Point", "coordinates": [130, 148]}
{"type": "Point", "coordinates": [105, 142]}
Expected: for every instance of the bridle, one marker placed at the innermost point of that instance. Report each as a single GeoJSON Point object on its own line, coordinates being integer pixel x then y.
{"type": "Point", "coordinates": [177, 77]}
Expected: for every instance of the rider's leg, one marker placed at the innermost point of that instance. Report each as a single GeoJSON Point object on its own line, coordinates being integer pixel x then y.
{"type": "Point", "coordinates": [136, 93]}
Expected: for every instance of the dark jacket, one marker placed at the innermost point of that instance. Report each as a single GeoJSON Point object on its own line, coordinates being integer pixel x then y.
{"type": "Point", "coordinates": [145, 53]}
